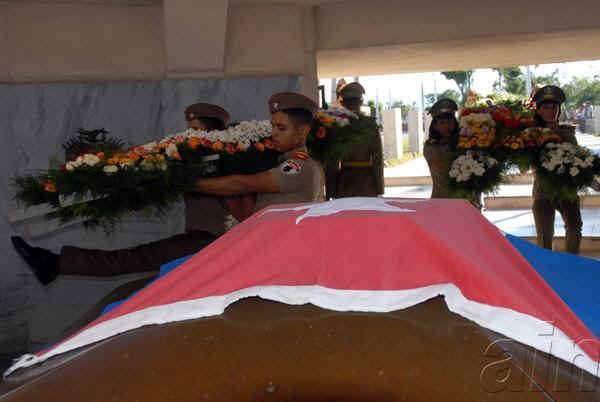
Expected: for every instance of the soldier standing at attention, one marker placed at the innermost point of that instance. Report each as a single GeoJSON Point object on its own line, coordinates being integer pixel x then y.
{"type": "Point", "coordinates": [296, 179]}
{"type": "Point", "coordinates": [548, 101]}
{"type": "Point", "coordinates": [438, 149]}
{"type": "Point", "coordinates": [361, 173]}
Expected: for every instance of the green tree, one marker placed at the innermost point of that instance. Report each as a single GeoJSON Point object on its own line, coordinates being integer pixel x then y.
{"type": "Point", "coordinates": [430, 99]}
{"type": "Point", "coordinates": [510, 79]}
{"type": "Point", "coordinates": [550, 79]}
{"type": "Point", "coordinates": [463, 80]}
{"type": "Point", "coordinates": [582, 90]}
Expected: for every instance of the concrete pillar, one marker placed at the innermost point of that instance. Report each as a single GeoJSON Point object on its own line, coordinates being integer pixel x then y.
{"type": "Point", "coordinates": [195, 37]}
{"type": "Point", "coordinates": [309, 82]}
{"type": "Point", "coordinates": [428, 119]}
{"type": "Point", "coordinates": [416, 136]}
{"type": "Point", "coordinates": [392, 134]}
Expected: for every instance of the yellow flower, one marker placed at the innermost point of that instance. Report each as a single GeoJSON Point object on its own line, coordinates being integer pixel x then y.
{"type": "Point", "coordinates": [514, 145]}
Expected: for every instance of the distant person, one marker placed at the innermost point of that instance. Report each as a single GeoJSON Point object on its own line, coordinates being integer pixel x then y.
{"type": "Point", "coordinates": [440, 147]}
{"type": "Point", "coordinates": [338, 93]}
{"type": "Point", "coordinates": [548, 101]}
{"type": "Point", "coordinates": [360, 174]}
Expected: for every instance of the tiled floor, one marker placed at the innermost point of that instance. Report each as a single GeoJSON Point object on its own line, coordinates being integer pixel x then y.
{"type": "Point", "coordinates": [520, 222]}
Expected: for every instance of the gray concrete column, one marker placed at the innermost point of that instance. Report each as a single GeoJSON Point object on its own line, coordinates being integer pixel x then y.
{"type": "Point", "coordinates": [428, 119]}
{"type": "Point", "coordinates": [392, 134]}
{"type": "Point", "coordinates": [416, 136]}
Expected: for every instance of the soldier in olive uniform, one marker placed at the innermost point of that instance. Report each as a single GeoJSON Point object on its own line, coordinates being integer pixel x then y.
{"type": "Point", "coordinates": [360, 174]}
{"type": "Point", "coordinates": [298, 178]}
{"type": "Point", "coordinates": [146, 257]}
{"type": "Point", "coordinates": [548, 102]}
{"type": "Point", "coordinates": [438, 149]}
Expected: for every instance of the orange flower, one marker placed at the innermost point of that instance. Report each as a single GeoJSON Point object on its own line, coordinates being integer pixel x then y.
{"type": "Point", "coordinates": [49, 186]}
{"type": "Point", "coordinates": [321, 132]}
{"type": "Point", "coordinates": [218, 146]}
{"type": "Point", "coordinates": [241, 148]}
{"type": "Point", "coordinates": [100, 155]}
{"type": "Point", "coordinates": [260, 146]}
{"type": "Point", "coordinates": [133, 156]}
{"type": "Point", "coordinates": [194, 142]}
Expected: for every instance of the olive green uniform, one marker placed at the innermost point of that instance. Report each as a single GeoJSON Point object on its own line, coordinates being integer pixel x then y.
{"type": "Point", "coordinates": [544, 207]}
{"type": "Point", "coordinates": [360, 174]}
{"type": "Point", "coordinates": [300, 179]}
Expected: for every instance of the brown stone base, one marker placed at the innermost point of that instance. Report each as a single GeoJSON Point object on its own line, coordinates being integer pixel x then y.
{"type": "Point", "coordinates": [266, 351]}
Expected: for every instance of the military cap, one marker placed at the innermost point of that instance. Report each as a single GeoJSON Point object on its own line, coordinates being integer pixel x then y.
{"type": "Point", "coordinates": [281, 101]}
{"type": "Point", "coordinates": [443, 106]}
{"type": "Point", "coordinates": [352, 90]}
{"type": "Point", "coordinates": [207, 111]}
{"type": "Point", "coordinates": [549, 93]}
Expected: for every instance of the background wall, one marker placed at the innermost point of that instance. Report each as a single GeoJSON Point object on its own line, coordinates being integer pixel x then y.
{"type": "Point", "coordinates": [60, 41]}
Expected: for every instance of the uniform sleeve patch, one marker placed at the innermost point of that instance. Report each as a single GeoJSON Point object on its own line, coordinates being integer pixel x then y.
{"type": "Point", "coordinates": [290, 167]}
{"type": "Point", "coordinates": [301, 155]}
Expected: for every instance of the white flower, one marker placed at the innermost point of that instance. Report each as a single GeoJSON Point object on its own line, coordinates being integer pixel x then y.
{"type": "Point", "coordinates": [491, 162]}
{"type": "Point", "coordinates": [110, 169]}
{"type": "Point", "coordinates": [171, 150]}
{"type": "Point", "coordinates": [589, 161]}
{"type": "Point", "coordinates": [70, 166]}
{"type": "Point", "coordinates": [90, 159]}
{"type": "Point", "coordinates": [479, 171]}
{"type": "Point", "coordinates": [573, 171]}
{"type": "Point", "coordinates": [150, 146]}
{"type": "Point", "coordinates": [548, 166]}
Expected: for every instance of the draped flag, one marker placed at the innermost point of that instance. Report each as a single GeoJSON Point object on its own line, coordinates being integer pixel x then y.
{"type": "Point", "coordinates": [376, 255]}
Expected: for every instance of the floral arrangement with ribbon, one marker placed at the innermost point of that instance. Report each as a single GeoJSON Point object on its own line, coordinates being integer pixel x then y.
{"type": "Point", "coordinates": [336, 131]}
{"type": "Point", "coordinates": [472, 171]}
{"type": "Point", "coordinates": [107, 185]}
{"type": "Point", "coordinates": [503, 127]}
{"type": "Point", "coordinates": [564, 169]}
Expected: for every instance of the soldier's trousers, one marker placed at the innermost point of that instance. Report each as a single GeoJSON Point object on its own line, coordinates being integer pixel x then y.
{"type": "Point", "coordinates": [543, 214]}
{"type": "Point", "coordinates": [143, 258]}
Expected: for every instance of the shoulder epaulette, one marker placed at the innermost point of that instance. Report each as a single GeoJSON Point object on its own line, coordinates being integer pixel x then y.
{"type": "Point", "coordinates": [301, 155]}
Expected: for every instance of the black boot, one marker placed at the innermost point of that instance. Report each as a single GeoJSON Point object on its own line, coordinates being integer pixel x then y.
{"type": "Point", "coordinates": [43, 263]}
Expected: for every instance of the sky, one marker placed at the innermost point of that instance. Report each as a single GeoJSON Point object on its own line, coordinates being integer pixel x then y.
{"type": "Point", "coordinates": [407, 87]}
